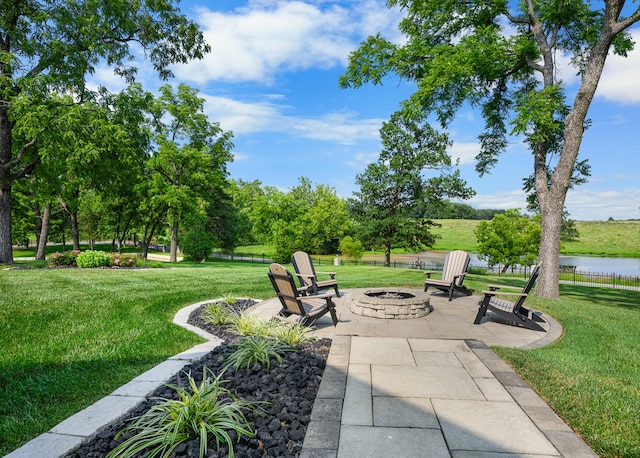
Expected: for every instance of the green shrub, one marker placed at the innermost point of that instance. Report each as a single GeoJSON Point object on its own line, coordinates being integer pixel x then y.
{"type": "Point", "coordinates": [352, 249]}
{"type": "Point", "coordinates": [209, 409]}
{"type": "Point", "coordinates": [64, 258]}
{"type": "Point", "coordinates": [257, 350]}
{"type": "Point", "coordinates": [197, 244]}
{"type": "Point", "coordinates": [93, 258]}
{"type": "Point", "coordinates": [124, 260]}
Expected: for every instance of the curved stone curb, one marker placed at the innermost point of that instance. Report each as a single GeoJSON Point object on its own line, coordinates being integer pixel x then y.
{"type": "Point", "coordinates": [554, 333]}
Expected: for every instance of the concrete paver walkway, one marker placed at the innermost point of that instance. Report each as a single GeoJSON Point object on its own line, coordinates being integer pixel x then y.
{"type": "Point", "coordinates": [430, 387]}
{"type": "Point", "coordinates": [426, 387]}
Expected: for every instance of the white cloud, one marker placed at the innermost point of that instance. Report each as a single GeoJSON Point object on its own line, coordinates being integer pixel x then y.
{"type": "Point", "coordinates": [503, 200]}
{"type": "Point", "coordinates": [466, 152]}
{"type": "Point", "coordinates": [264, 39]}
{"type": "Point", "coordinates": [243, 117]}
{"type": "Point", "coordinates": [582, 204]}
{"type": "Point", "coordinates": [360, 161]}
{"type": "Point", "coordinates": [619, 81]}
{"type": "Point", "coordinates": [587, 205]}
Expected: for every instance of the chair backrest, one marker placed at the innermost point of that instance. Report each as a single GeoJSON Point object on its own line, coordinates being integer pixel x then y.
{"type": "Point", "coordinates": [285, 288]}
{"type": "Point", "coordinates": [455, 263]}
{"type": "Point", "coordinates": [528, 287]}
{"type": "Point", "coordinates": [304, 266]}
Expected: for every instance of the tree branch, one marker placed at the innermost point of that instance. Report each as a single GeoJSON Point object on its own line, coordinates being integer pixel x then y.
{"type": "Point", "coordinates": [20, 155]}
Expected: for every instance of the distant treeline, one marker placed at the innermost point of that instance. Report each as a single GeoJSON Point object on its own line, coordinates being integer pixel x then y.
{"type": "Point", "coordinates": [453, 210]}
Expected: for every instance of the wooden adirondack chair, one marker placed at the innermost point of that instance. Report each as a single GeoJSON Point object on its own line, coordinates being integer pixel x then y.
{"type": "Point", "coordinates": [453, 272]}
{"type": "Point", "coordinates": [308, 308]}
{"type": "Point", "coordinates": [512, 312]}
{"type": "Point", "coordinates": [309, 283]}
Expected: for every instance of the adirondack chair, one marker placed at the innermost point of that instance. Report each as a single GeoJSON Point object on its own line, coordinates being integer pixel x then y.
{"type": "Point", "coordinates": [512, 312]}
{"type": "Point", "coordinates": [309, 283]}
{"type": "Point", "coordinates": [308, 308]}
{"type": "Point", "coordinates": [453, 272]}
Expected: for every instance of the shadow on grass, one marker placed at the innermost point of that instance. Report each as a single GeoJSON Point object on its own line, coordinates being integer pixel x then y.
{"type": "Point", "coordinates": [609, 297]}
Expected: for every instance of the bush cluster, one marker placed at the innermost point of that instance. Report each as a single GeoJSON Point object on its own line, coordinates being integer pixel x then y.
{"type": "Point", "coordinates": [92, 258]}
{"type": "Point", "coordinates": [64, 259]}
{"type": "Point", "coordinates": [124, 260]}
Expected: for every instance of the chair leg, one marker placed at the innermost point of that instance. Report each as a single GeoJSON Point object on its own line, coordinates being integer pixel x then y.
{"type": "Point", "coordinates": [334, 316]}
{"type": "Point", "coordinates": [484, 304]}
{"type": "Point", "coordinates": [450, 294]}
{"type": "Point", "coordinates": [337, 292]}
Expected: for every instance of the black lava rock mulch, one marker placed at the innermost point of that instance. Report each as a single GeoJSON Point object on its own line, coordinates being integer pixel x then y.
{"type": "Point", "coordinates": [288, 389]}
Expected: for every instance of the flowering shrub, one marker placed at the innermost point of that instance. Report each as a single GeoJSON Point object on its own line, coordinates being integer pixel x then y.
{"type": "Point", "coordinates": [124, 260]}
{"type": "Point", "coordinates": [93, 259]}
{"type": "Point", "coordinates": [61, 259]}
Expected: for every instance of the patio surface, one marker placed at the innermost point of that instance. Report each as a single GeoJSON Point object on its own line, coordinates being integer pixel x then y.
{"type": "Point", "coordinates": [430, 387]}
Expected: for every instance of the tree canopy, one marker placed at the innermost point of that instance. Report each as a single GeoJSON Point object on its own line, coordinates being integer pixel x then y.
{"type": "Point", "coordinates": [501, 58]}
{"type": "Point", "coordinates": [49, 48]}
{"type": "Point", "coordinates": [508, 239]}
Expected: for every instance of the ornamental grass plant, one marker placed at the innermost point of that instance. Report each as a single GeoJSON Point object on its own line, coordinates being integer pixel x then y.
{"type": "Point", "coordinates": [205, 409]}
{"type": "Point", "coordinates": [250, 350]}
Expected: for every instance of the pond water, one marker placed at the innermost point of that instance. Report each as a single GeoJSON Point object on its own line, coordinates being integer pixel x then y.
{"type": "Point", "coordinates": [595, 264]}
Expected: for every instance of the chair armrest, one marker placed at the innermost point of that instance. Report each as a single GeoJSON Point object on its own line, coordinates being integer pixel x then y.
{"type": "Point", "coordinates": [305, 276]}
{"type": "Point", "coordinates": [322, 296]}
{"type": "Point", "coordinates": [495, 287]}
{"type": "Point", "coordinates": [428, 274]}
{"type": "Point", "coordinates": [331, 274]}
{"type": "Point", "coordinates": [503, 293]}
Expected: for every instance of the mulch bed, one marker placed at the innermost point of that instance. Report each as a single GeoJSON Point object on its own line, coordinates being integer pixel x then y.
{"type": "Point", "coordinates": [288, 389]}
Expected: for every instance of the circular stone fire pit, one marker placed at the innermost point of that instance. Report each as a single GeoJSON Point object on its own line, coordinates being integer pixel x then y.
{"type": "Point", "coordinates": [390, 303]}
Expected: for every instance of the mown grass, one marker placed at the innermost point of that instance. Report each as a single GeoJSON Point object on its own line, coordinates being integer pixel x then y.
{"type": "Point", "coordinates": [590, 377]}
{"type": "Point", "coordinates": [71, 336]}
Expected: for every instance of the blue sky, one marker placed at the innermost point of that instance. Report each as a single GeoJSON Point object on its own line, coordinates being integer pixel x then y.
{"type": "Point", "coordinates": [272, 79]}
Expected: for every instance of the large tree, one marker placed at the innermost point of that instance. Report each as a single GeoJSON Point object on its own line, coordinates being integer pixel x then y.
{"type": "Point", "coordinates": [501, 57]}
{"type": "Point", "coordinates": [189, 166]}
{"type": "Point", "coordinates": [392, 188]}
{"type": "Point", "coordinates": [52, 46]}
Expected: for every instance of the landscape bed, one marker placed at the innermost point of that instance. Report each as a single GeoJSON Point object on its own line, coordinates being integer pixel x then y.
{"type": "Point", "coordinates": [286, 391]}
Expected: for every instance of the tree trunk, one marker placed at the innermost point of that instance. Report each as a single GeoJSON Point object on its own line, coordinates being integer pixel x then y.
{"type": "Point", "coordinates": [387, 254]}
{"type": "Point", "coordinates": [173, 256]}
{"type": "Point", "coordinates": [75, 233]}
{"type": "Point", "coordinates": [38, 222]}
{"type": "Point", "coordinates": [146, 238]}
{"type": "Point", "coordinates": [122, 237]}
{"type": "Point", "coordinates": [551, 208]}
{"type": "Point", "coordinates": [43, 238]}
{"type": "Point", "coordinates": [551, 197]}
{"type": "Point", "coordinates": [6, 250]}
{"type": "Point", "coordinates": [6, 247]}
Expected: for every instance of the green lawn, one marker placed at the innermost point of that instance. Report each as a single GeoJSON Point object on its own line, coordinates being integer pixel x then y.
{"type": "Point", "coordinates": [71, 336]}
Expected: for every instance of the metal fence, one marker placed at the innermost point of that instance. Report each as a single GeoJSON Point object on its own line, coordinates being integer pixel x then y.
{"type": "Point", "coordinates": [567, 275]}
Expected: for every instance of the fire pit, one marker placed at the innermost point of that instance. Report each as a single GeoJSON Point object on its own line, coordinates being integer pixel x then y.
{"type": "Point", "coordinates": [391, 303]}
